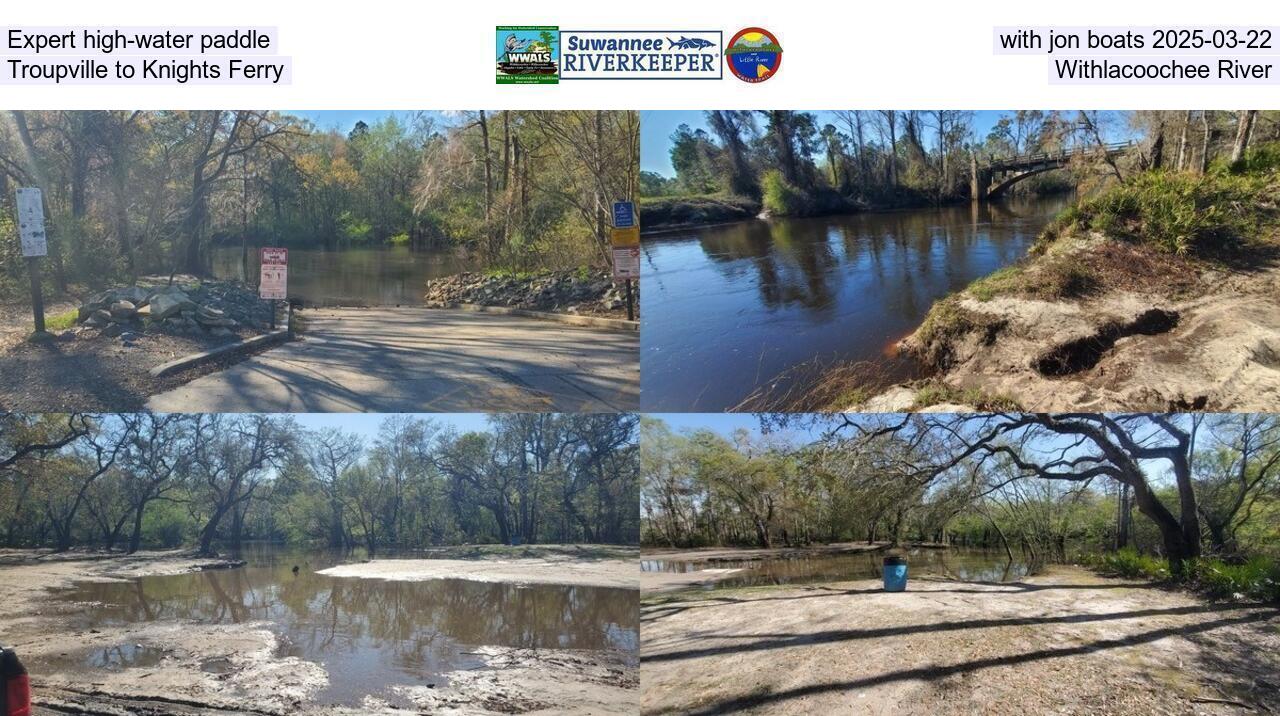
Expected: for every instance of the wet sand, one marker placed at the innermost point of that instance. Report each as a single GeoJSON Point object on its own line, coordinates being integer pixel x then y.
{"type": "Point", "coordinates": [623, 574]}
{"type": "Point", "coordinates": [1067, 641]}
{"type": "Point", "coordinates": [193, 668]}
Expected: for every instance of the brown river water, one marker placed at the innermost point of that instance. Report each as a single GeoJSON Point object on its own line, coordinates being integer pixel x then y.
{"type": "Point", "coordinates": [369, 634]}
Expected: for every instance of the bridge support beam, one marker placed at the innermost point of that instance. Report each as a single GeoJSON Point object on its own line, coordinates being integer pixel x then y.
{"type": "Point", "coordinates": [979, 181]}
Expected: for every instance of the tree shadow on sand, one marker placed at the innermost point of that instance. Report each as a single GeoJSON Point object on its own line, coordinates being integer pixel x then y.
{"type": "Point", "coordinates": [934, 673]}
{"type": "Point", "coordinates": [667, 609]}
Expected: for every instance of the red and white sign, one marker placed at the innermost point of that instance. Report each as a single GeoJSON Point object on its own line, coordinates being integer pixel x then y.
{"type": "Point", "coordinates": [273, 281]}
{"type": "Point", "coordinates": [626, 262]}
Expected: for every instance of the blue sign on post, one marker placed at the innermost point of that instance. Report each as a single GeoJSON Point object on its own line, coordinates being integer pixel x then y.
{"type": "Point", "coordinates": [624, 214]}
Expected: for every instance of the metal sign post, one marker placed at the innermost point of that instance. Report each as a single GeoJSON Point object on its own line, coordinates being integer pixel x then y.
{"type": "Point", "coordinates": [273, 278]}
{"type": "Point", "coordinates": [31, 234]}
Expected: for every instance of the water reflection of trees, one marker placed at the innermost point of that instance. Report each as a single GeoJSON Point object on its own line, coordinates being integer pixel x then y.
{"type": "Point", "coordinates": [908, 258]}
{"type": "Point", "coordinates": [420, 625]}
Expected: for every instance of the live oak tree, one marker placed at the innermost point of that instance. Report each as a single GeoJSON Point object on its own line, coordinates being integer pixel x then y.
{"type": "Point", "coordinates": [213, 480]}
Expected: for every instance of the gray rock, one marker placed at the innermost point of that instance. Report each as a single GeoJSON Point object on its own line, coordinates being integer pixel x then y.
{"type": "Point", "coordinates": [112, 330]}
{"type": "Point", "coordinates": [133, 294]}
{"type": "Point", "coordinates": [123, 310]}
{"type": "Point", "coordinates": [170, 303]}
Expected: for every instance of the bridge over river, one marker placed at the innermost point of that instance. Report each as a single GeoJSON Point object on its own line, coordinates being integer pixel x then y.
{"type": "Point", "coordinates": [991, 179]}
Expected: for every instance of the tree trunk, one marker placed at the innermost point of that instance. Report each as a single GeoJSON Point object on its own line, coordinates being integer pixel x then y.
{"type": "Point", "coordinates": [135, 537]}
{"type": "Point", "coordinates": [1204, 143]}
{"type": "Point", "coordinates": [1244, 128]}
{"type": "Point", "coordinates": [1182, 140]}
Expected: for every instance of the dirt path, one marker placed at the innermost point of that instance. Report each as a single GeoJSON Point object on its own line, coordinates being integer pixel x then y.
{"type": "Point", "coordinates": [16, 322]}
{"type": "Point", "coordinates": [1065, 642]}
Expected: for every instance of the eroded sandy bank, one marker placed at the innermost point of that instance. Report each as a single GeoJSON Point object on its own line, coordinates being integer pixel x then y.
{"type": "Point", "coordinates": [1191, 336]}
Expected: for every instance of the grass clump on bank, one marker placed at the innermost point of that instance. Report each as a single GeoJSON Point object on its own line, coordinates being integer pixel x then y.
{"type": "Point", "coordinates": [1256, 578]}
{"type": "Point", "coordinates": [1203, 215]}
{"type": "Point", "coordinates": [935, 393]}
{"type": "Point", "coordinates": [946, 323]}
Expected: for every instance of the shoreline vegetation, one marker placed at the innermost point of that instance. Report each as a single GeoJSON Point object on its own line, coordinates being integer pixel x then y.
{"type": "Point", "coordinates": [900, 480]}
{"type": "Point", "coordinates": [156, 192]}
{"type": "Point", "coordinates": [1158, 290]}
{"type": "Point", "coordinates": [784, 163]}
{"type": "Point", "coordinates": [1174, 611]}
{"type": "Point", "coordinates": [1161, 292]}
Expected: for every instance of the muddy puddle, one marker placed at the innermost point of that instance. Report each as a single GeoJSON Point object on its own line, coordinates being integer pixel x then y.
{"type": "Point", "coordinates": [963, 564]}
{"type": "Point", "coordinates": [369, 635]}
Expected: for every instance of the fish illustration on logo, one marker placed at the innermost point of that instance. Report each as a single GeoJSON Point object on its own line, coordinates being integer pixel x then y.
{"type": "Point", "coordinates": [753, 55]}
{"type": "Point", "coordinates": [686, 43]}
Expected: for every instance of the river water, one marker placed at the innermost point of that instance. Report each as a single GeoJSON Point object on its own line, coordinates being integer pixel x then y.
{"type": "Point", "coordinates": [729, 308]}
{"type": "Point", "coordinates": [389, 276]}
{"type": "Point", "coordinates": [969, 565]}
{"type": "Point", "coordinates": [369, 634]}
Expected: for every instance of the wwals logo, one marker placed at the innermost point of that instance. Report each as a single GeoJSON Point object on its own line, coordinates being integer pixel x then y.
{"type": "Point", "coordinates": [528, 54]}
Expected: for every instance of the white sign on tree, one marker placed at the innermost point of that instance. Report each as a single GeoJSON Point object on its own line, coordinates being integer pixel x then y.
{"type": "Point", "coordinates": [31, 222]}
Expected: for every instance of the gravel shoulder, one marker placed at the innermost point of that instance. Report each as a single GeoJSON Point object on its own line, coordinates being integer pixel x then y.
{"type": "Point", "coordinates": [1067, 641]}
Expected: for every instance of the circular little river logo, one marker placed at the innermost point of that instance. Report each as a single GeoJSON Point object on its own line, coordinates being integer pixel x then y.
{"type": "Point", "coordinates": [753, 54]}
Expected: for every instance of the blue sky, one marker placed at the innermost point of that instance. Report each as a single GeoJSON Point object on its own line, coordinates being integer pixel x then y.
{"type": "Point", "coordinates": [725, 423]}
{"type": "Point", "coordinates": [366, 424]}
{"type": "Point", "coordinates": [656, 127]}
{"type": "Point", "coordinates": [344, 119]}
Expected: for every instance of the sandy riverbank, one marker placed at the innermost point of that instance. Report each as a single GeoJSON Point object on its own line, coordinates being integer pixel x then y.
{"type": "Point", "coordinates": [1145, 331]}
{"type": "Point", "coordinates": [182, 667]}
{"type": "Point", "coordinates": [622, 574]}
{"type": "Point", "coordinates": [1064, 642]}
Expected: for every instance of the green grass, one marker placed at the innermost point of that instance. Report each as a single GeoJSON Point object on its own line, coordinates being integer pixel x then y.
{"type": "Point", "coordinates": [1128, 562]}
{"type": "Point", "coordinates": [61, 321]}
{"type": "Point", "coordinates": [1180, 213]}
{"type": "Point", "coordinates": [1002, 281]}
{"type": "Point", "coordinates": [934, 393]}
{"type": "Point", "coordinates": [947, 321]}
{"type": "Point", "coordinates": [695, 209]}
{"type": "Point", "coordinates": [510, 274]}
{"type": "Point", "coordinates": [1256, 578]}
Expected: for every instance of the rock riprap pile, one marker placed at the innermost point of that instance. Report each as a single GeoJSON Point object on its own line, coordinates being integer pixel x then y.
{"type": "Point", "coordinates": [213, 308]}
{"type": "Point", "coordinates": [573, 291]}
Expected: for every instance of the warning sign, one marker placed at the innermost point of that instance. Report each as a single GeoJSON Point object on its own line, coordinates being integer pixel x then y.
{"type": "Point", "coordinates": [273, 282]}
{"type": "Point", "coordinates": [629, 236]}
{"type": "Point", "coordinates": [626, 262]}
{"type": "Point", "coordinates": [31, 222]}
{"type": "Point", "coordinates": [626, 252]}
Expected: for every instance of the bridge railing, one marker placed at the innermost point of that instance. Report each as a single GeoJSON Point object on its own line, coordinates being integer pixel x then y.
{"type": "Point", "coordinates": [1060, 155]}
